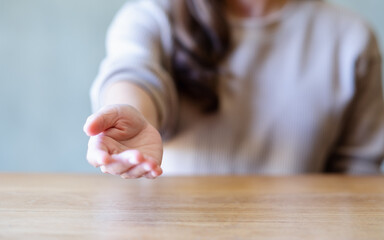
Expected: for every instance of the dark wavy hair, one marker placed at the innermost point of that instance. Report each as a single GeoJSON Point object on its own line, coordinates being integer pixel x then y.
{"type": "Point", "coordinates": [201, 42]}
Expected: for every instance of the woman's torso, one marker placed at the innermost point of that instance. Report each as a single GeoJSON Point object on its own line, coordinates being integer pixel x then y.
{"type": "Point", "coordinates": [284, 92]}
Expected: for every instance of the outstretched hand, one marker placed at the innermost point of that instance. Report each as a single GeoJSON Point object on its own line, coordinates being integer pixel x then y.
{"type": "Point", "coordinates": [123, 143]}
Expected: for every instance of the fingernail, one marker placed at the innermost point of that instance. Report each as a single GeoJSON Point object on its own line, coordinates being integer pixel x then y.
{"type": "Point", "coordinates": [154, 174]}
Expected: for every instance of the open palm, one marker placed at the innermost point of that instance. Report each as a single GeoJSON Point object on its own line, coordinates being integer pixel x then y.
{"type": "Point", "coordinates": [123, 143]}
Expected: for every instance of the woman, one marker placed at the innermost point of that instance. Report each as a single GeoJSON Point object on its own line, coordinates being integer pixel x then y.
{"type": "Point", "coordinates": [237, 87]}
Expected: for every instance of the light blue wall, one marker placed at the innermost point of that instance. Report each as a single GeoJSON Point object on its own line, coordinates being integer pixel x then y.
{"type": "Point", "coordinates": [49, 54]}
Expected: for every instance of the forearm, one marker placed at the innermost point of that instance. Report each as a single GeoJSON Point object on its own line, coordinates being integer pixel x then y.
{"type": "Point", "coordinates": [125, 92]}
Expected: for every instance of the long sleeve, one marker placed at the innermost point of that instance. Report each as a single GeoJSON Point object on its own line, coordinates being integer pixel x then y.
{"type": "Point", "coordinates": [360, 149]}
{"type": "Point", "coordinates": [138, 47]}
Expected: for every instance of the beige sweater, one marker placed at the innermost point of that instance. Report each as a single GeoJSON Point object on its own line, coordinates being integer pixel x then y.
{"type": "Point", "coordinates": [300, 92]}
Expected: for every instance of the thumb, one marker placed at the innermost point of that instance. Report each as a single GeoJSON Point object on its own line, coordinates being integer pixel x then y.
{"type": "Point", "coordinates": [100, 121]}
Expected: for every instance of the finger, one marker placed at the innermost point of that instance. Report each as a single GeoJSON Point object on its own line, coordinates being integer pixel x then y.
{"type": "Point", "coordinates": [102, 120]}
{"type": "Point", "coordinates": [149, 175]}
{"type": "Point", "coordinates": [103, 170]}
{"type": "Point", "coordinates": [129, 156]}
{"type": "Point", "coordinates": [98, 158]}
{"type": "Point", "coordinates": [118, 167]}
{"type": "Point", "coordinates": [138, 171]}
{"type": "Point", "coordinates": [153, 174]}
{"type": "Point", "coordinates": [157, 171]}
{"type": "Point", "coordinates": [124, 161]}
{"type": "Point", "coordinates": [97, 153]}
{"type": "Point", "coordinates": [146, 169]}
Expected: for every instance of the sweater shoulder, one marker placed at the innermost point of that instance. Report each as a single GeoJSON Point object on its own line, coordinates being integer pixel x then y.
{"type": "Point", "coordinates": [351, 28]}
{"type": "Point", "coordinates": [142, 21]}
{"type": "Point", "coordinates": [339, 16]}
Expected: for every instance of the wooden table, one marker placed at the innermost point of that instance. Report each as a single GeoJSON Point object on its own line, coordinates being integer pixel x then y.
{"type": "Point", "coordinates": [105, 207]}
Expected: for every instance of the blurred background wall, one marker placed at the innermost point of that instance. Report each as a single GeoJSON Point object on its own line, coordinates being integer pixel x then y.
{"type": "Point", "coordinates": [49, 54]}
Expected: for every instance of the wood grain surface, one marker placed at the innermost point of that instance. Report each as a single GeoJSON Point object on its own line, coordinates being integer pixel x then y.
{"type": "Point", "coordinates": [57, 206]}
